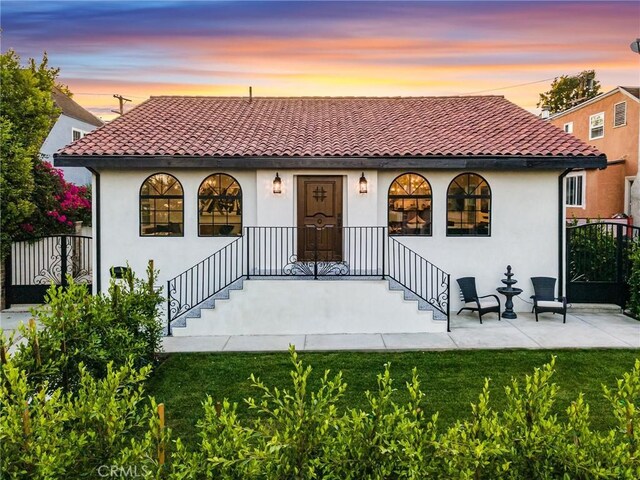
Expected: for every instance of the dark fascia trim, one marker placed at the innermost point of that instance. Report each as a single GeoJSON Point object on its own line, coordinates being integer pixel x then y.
{"type": "Point", "coordinates": [392, 163]}
{"type": "Point", "coordinates": [98, 240]}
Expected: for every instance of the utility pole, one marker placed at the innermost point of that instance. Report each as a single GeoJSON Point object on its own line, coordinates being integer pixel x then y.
{"type": "Point", "coordinates": [121, 99]}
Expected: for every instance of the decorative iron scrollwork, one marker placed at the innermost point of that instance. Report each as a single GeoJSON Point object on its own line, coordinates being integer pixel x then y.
{"type": "Point", "coordinates": [310, 268]}
{"type": "Point", "coordinates": [52, 271]}
{"type": "Point", "coordinates": [176, 307]}
{"type": "Point", "coordinates": [441, 300]}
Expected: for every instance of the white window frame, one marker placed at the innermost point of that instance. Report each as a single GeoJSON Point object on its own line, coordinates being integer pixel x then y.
{"type": "Point", "coordinates": [583, 176]}
{"type": "Point", "coordinates": [74, 130]}
{"type": "Point", "coordinates": [591, 137]}
{"type": "Point", "coordinates": [625, 114]}
{"type": "Point", "coordinates": [568, 127]}
{"type": "Point", "coordinates": [628, 181]}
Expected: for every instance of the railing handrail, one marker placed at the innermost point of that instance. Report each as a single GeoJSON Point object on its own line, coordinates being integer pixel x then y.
{"type": "Point", "coordinates": [391, 237]}
{"type": "Point", "coordinates": [371, 254]}
{"type": "Point", "coordinates": [614, 224]}
{"type": "Point", "coordinates": [445, 310]}
{"type": "Point", "coordinates": [189, 294]}
{"type": "Point", "coordinates": [201, 262]}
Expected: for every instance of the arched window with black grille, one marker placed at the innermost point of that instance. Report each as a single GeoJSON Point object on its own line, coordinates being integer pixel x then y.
{"type": "Point", "coordinates": [219, 206]}
{"type": "Point", "coordinates": [469, 206]}
{"type": "Point", "coordinates": [161, 206]}
{"type": "Point", "coordinates": [409, 205]}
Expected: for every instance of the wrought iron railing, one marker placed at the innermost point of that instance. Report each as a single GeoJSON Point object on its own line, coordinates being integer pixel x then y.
{"type": "Point", "coordinates": [33, 265]}
{"type": "Point", "coordinates": [308, 252]}
{"type": "Point", "coordinates": [599, 261]}
{"type": "Point", "coordinates": [315, 252]}
{"type": "Point", "coordinates": [206, 278]}
{"type": "Point", "coordinates": [419, 276]}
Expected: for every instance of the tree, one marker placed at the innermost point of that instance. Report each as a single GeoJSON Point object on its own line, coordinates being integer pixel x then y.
{"type": "Point", "coordinates": [16, 185]}
{"type": "Point", "coordinates": [27, 113]}
{"type": "Point", "coordinates": [34, 197]}
{"type": "Point", "coordinates": [570, 90]}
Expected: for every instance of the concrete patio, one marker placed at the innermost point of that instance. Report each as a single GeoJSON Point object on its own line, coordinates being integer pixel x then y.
{"type": "Point", "coordinates": [582, 330]}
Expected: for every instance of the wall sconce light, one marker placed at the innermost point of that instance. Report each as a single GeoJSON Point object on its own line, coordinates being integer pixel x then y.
{"type": "Point", "coordinates": [363, 184]}
{"type": "Point", "coordinates": [277, 185]}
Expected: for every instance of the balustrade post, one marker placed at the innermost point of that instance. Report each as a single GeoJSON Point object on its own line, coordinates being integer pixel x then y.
{"type": "Point", "coordinates": [315, 255]}
{"type": "Point", "coordinates": [448, 302]}
{"type": "Point", "coordinates": [384, 244]}
{"type": "Point", "coordinates": [620, 250]}
{"type": "Point", "coordinates": [168, 308]}
{"type": "Point", "coordinates": [248, 243]}
{"type": "Point", "coordinates": [63, 260]}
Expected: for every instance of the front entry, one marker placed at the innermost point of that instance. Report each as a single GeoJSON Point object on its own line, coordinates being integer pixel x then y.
{"type": "Point", "coordinates": [320, 218]}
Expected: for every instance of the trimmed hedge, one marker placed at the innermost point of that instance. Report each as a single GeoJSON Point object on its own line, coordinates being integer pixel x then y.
{"type": "Point", "coordinates": [301, 434]}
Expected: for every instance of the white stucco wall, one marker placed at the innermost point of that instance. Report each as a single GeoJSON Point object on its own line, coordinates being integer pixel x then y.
{"type": "Point", "coordinates": [524, 232]}
{"type": "Point", "coordinates": [524, 223]}
{"type": "Point", "coordinates": [61, 135]}
{"type": "Point", "coordinates": [320, 307]}
{"type": "Point", "coordinates": [121, 240]}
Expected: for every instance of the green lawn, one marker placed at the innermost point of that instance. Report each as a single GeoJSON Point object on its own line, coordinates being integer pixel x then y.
{"type": "Point", "coordinates": [450, 380]}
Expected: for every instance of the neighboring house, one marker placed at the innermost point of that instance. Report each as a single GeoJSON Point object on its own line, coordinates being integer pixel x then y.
{"type": "Point", "coordinates": [73, 123]}
{"type": "Point", "coordinates": [241, 193]}
{"type": "Point", "coordinates": [611, 123]}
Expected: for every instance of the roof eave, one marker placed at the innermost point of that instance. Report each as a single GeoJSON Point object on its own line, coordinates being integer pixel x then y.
{"type": "Point", "coordinates": [489, 162]}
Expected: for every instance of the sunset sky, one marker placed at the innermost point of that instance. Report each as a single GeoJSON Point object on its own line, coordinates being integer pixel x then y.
{"type": "Point", "coordinates": [145, 48]}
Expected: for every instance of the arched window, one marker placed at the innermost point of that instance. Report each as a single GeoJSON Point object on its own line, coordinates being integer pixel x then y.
{"type": "Point", "coordinates": [161, 206]}
{"type": "Point", "coordinates": [219, 206]}
{"type": "Point", "coordinates": [410, 205]}
{"type": "Point", "coordinates": [469, 206]}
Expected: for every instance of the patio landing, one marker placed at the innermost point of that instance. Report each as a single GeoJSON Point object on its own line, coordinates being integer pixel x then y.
{"type": "Point", "coordinates": [582, 330]}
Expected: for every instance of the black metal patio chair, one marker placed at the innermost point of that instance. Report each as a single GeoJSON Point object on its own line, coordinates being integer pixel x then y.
{"type": "Point", "coordinates": [475, 303]}
{"type": "Point", "coordinates": [544, 299]}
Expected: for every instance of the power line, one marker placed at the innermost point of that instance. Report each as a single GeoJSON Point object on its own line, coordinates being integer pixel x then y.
{"type": "Point", "coordinates": [105, 94]}
{"type": "Point", "coordinates": [510, 86]}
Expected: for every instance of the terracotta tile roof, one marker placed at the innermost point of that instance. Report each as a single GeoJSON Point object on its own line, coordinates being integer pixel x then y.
{"type": "Point", "coordinates": [71, 109]}
{"type": "Point", "coordinates": [326, 126]}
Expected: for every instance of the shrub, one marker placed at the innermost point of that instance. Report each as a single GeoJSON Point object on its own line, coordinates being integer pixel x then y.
{"type": "Point", "coordinates": [79, 328]}
{"type": "Point", "coordinates": [593, 255]}
{"type": "Point", "coordinates": [49, 434]}
{"type": "Point", "coordinates": [46, 433]}
{"type": "Point", "coordinates": [302, 435]}
{"type": "Point", "coordinates": [634, 282]}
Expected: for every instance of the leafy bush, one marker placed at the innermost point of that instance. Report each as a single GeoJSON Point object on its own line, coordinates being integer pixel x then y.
{"type": "Point", "coordinates": [94, 331]}
{"type": "Point", "coordinates": [60, 203]}
{"type": "Point", "coordinates": [634, 283]}
{"type": "Point", "coordinates": [303, 435]}
{"type": "Point", "coordinates": [592, 255]}
{"type": "Point", "coordinates": [49, 434]}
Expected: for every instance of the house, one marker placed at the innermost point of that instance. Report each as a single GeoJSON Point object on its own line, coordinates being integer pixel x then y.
{"type": "Point", "coordinates": [250, 206]}
{"type": "Point", "coordinates": [611, 123]}
{"type": "Point", "coordinates": [73, 123]}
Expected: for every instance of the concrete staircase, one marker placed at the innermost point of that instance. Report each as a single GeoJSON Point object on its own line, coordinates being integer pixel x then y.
{"type": "Point", "coordinates": [195, 320]}
{"type": "Point", "coordinates": [208, 304]}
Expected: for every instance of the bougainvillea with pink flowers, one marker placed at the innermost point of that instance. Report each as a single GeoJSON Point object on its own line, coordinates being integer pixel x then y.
{"type": "Point", "coordinates": [59, 204]}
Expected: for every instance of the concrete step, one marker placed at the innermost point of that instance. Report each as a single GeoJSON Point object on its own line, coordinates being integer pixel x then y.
{"type": "Point", "coordinates": [208, 304]}
{"type": "Point", "coordinates": [593, 308]}
{"type": "Point", "coordinates": [410, 296]}
{"type": "Point", "coordinates": [284, 307]}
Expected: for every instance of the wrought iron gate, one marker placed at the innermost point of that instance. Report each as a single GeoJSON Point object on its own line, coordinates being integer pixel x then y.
{"type": "Point", "coordinates": [598, 264]}
{"type": "Point", "coordinates": [34, 265]}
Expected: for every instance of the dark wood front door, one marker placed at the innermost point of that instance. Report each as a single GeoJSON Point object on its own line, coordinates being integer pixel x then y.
{"type": "Point", "coordinates": [320, 218]}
